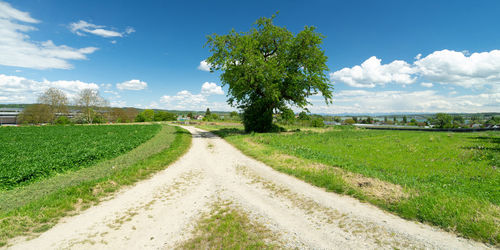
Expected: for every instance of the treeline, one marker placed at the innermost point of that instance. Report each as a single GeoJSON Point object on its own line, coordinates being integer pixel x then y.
{"type": "Point", "coordinates": [88, 108]}
{"type": "Point", "coordinates": [439, 120]}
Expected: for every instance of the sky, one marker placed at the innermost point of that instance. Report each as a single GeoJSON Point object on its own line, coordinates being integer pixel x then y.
{"type": "Point", "coordinates": [383, 56]}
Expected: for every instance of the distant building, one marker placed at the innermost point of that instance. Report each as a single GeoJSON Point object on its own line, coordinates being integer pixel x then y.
{"type": "Point", "coordinates": [9, 116]}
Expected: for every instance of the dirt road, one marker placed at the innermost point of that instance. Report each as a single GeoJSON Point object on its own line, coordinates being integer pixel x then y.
{"type": "Point", "coordinates": [162, 211]}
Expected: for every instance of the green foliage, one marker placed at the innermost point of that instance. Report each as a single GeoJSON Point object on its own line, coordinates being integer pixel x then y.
{"type": "Point", "coordinates": [268, 68]}
{"type": "Point", "coordinates": [287, 116]}
{"type": "Point", "coordinates": [337, 119]}
{"type": "Point", "coordinates": [211, 117]}
{"type": "Point", "coordinates": [36, 114]}
{"type": "Point", "coordinates": [233, 114]}
{"type": "Point", "coordinates": [317, 123]}
{"type": "Point", "coordinates": [349, 121]}
{"type": "Point", "coordinates": [149, 115]}
{"type": "Point", "coordinates": [258, 117]}
{"type": "Point", "coordinates": [164, 116]}
{"type": "Point", "coordinates": [405, 120]}
{"type": "Point", "coordinates": [303, 116]}
{"type": "Point", "coordinates": [62, 120]}
{"type": "Point", "coordinates": [208, 113]}
{"type": "Point", "coordinates": [31, 153]}
{"type": "Point", "coordinates": [442, 120]}
{"type": "Point", "coordinates": [494, 120]}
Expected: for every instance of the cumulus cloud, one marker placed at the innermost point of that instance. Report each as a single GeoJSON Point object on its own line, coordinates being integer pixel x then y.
{"type": "Point", "coordinates": [372, 73]}
{"type": "Point", "coordinates": [15, 89]}
{"type": "Point", "coordinates": [81, 27]}
{"type": "Point", "coordinates": [204, 66]}
{"type": "Point", "coordinates": [184, 97]}
{"type": "Point", "coordinates": [458, 68]}
{"type": "Point", "coordinates": [133, 84]}
{"type": "Point", "coordinates": [16, 48]}
{"type": "Point", "coordinates": [185, 100]}
{"type": "Point", "coordinates": [211, 88]}
{"type": "Point", "coordinates": [427, 84]}
{"type": "Point", "coordinates": [362, 101]}
{"type": "Point", "coordinates": [444, 67]}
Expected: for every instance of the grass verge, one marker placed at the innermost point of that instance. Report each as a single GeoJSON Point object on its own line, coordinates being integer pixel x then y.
{"type": "Point", "coordinates": [445, 179]}
{"type": "Point", "coordinates": [37, 207]}
{"type": "Point", "coordinates": [227, 227]}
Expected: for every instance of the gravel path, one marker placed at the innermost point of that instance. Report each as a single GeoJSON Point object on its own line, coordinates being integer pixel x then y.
{"type": "Point", "coordinates": [162, 211]}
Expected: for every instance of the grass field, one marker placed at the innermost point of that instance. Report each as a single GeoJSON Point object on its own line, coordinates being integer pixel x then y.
{"type": "Point", "coordinates": [451, 180]}
{"type": "Point", "coordinates": [35, 207]}
{"type": "Point", "coordinates": [31, 153]}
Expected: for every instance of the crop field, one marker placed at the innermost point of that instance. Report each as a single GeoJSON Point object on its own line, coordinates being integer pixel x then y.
{"type": "Point", "coordinates": [31, 153]}
{"type": "Point", "coordinates": [451, 180]}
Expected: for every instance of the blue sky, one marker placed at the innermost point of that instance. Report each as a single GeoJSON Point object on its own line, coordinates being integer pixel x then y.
{"type": "Point", "coordinates": [384, 56]}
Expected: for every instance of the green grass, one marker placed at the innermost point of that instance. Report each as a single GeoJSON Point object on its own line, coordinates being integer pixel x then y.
{"type": "Point", "coordinates": [37, 207]}
{"type": "Point", "coordinates": [451, 180]}
{"type": "Point", "coordinates": [227, 227]}
{"type": "Point", "coordinates": [32, 153]}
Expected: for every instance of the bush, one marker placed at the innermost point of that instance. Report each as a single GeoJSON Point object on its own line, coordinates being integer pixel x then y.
{"type": "Point", "coordinates": [62, 120]}
{"type": "Point", "coordinates": [317, 123]}
{"type": "Point", "coordinates": [349, 121]}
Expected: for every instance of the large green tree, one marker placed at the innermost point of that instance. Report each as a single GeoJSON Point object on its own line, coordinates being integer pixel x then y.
{"type": "Point", "coordinates": [268, 69]}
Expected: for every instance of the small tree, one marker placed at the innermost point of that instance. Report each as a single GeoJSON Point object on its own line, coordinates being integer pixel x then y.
{"type": "Point", "coordinates": [146, 115]}
{"type": "Point", "coordinates": [89, 101]}
{"type": "Point", "coordinates": [317, 122]}
{"type": "Point", "coordinates": [349, 121]}
{"type": "Point", "coordinates": [36, 114]}
{"type": "Point", "coordinates": [268, 68]}
{"type": "Point", "coordinates": [405, 120]}
{"type": "Point", "coordinates": [287, 116]}
{"type": "Point", "coordinates": [56, 100]}
{"type": "Point", "coordinates": [303, 116]}
{"type": "Point", "coordinates": [233, 115]}
{"type": "Point", "coordinates": [208, 113]}
{"type": "Point", "coordinates": [443, 120]}
{"type": "Point", "coordinates": [337, 119]}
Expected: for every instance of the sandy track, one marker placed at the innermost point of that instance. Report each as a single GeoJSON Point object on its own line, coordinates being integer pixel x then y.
{"type": "Point", "coordinates": [162, 211]}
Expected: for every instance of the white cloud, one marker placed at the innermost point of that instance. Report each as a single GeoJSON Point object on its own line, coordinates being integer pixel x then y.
{"type": "Point", "coordinates": [81, 27]}
{"type": "Point", "coordinates": [211, 88]}
{"type": "Point", "coordinates": [118, 103]}
{"type": "Point", "coordinates": [452, 67]}
{"type": "Point", "coordinates": [129, 30]}
{"type": "Point", "coordinates": [362, 101]}
{"type": "Point", "coordinates": [16, 48]}
{"type": "Point", "coordinates": [185, 100]}
{"type": "Point", "coordinates": [15, 89]}
{"type": "Point", "coordinates": [184, 97]}
{"type": "Point", "coordinates": [427, 84]}
{"type": "Point", "coordinates": [133, 84]}
{"type": "Point", "coordinates": [113, 42]}
{"type": "Point", "coordinates": [7, 12]}
{"type": "Point", "coordinates": [372, 73]}
{"type": "Point", "coordinates": [204, 66]}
